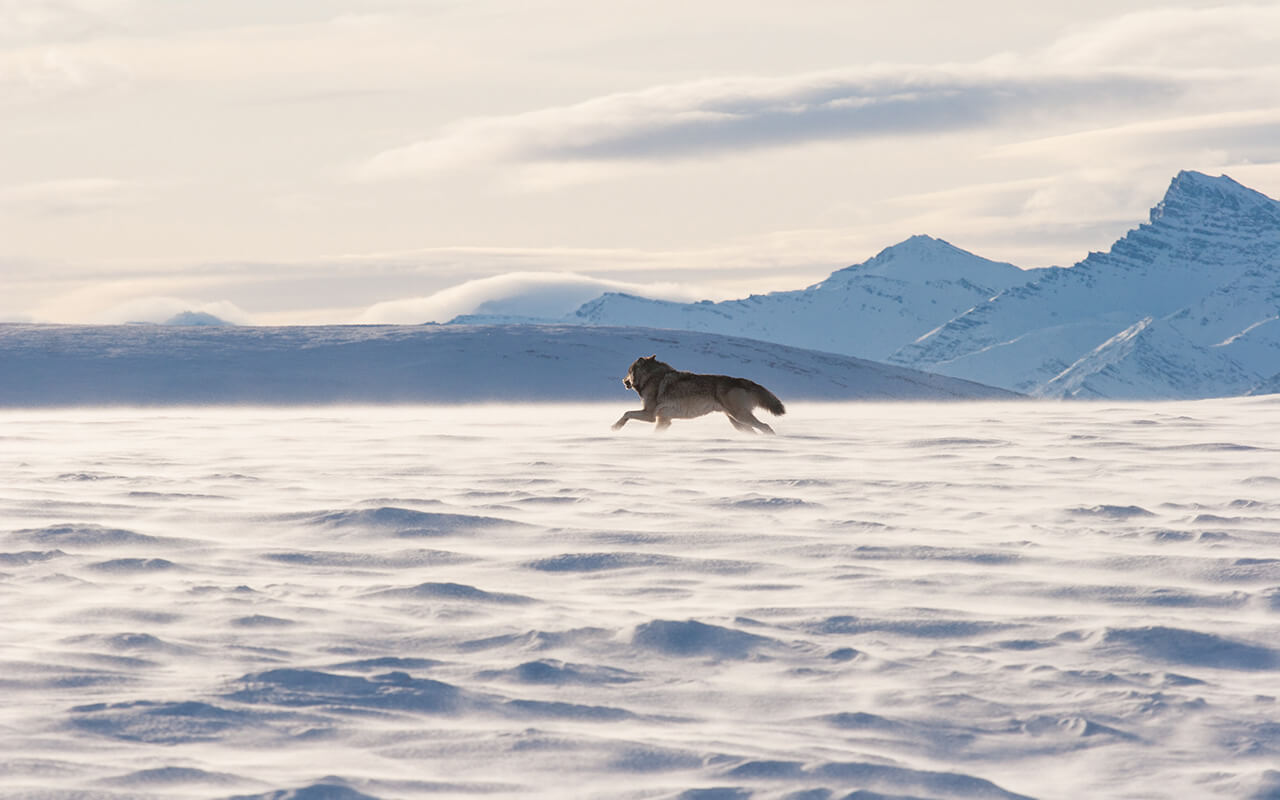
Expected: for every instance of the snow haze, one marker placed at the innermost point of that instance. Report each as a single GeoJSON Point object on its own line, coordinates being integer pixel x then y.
{"type": "Point", "coordinates": [1019, 600]}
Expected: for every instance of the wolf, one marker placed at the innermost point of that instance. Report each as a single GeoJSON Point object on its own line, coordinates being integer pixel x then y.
{"type": "Point", "coordinates": [671, 394]}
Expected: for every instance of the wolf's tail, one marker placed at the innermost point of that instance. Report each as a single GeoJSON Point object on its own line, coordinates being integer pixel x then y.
{"type": "Point", "coordinates": [767, 399]}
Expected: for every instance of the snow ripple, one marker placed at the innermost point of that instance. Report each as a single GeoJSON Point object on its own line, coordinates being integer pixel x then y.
{"type": "Point", "coordinates": [883, 601]}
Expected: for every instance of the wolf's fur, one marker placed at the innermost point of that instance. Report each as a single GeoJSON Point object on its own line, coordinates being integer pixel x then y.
{"type": "Point", "coordinates": [670, 394]}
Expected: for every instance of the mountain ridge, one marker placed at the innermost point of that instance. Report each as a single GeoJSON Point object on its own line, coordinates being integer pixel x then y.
{"type": "Point", "coordinates": [1204, 237]}
{"type": "Point", "coordinates": [148, 365]}
{"type": "Point", "coordinates": [901, 293]}
{"type": "Point", "coordinates": [1204, 270]}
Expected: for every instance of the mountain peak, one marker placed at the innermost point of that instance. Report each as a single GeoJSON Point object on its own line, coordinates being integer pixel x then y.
{"type": "Point", "coordinates": [189, 318]}
{"type": "Point", "coordinates": [920, 239]}
{"type": "Point", "coordinates": [925, 258]}
{"type": "Point", "coordinates": [920, 243]}
{"type": "Point", "coordinates": [1192, 194]}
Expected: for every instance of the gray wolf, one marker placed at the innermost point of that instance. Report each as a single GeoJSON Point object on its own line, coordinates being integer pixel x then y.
{"type": "Point", "coordinates": [671, 394]}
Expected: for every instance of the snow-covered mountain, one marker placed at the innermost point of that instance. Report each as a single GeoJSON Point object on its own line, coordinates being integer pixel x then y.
{"type": "Point", "coordinates": [57, 365]}
{"type": "Point", "coordinates": [1269, 386]}
{"type": "Point", "coordinates": [1151, 358]}
{"type": "Point", "coordinates": [1184, 306]}
{"type": "Point", "coordinates": [868, 310]}
{"type": "Point", "coordinates": [1179, 307]}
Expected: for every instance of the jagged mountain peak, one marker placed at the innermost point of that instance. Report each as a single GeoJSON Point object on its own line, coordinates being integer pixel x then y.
{"type": "Point", "coordinates": [1204, 238]}
{"type": "Point", "coordinates": [1193, 194]}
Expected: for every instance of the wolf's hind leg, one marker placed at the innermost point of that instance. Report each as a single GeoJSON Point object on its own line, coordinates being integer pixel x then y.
{"type": "Point", "coordinates": [750, 419]}
{"type": "Point", "coordinates": [739, 424]}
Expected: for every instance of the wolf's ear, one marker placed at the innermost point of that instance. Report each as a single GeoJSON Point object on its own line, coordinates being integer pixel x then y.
{"type": "Point", "coordinates": [653, 357]}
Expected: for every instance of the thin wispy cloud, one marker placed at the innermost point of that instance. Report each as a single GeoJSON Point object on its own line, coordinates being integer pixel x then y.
{"type": "Point", "coordinates": [1228, 36]}
{"type": "Point", "coordinates": [1149, 64]}
{"type": "Point", "coordinates": [711, 117]}
{"type": "Point", "coordinates": [42, 74]}
{"type": "Point", "coordinates": [27, 21]}
{"type": "Point", "coordinates": [1240, 136]}
{"type": "Point", "coordinates": [68, 197]}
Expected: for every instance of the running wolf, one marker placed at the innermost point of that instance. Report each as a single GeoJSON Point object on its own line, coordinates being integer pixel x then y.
{"type": "Point", "coordinates": [670, 394]}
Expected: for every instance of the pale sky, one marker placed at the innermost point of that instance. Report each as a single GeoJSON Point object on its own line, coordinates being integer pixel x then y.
{"type": "Point", "coordinates": [330, 161]}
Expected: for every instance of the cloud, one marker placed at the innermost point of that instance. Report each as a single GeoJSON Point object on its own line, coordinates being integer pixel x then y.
{"type": "Point", "coordinates": [37, 74]}
{"type": "Point", "coordinates": [161, 309]}
{"type": "Point", "coordinates": [708, 117]}
{"type": "Point", "coordinates": [25, 21]}
{"type": "Point", "coordinates": [1232, 36]}
{"type": "Point", "coordinates": [1200, 141]}
{"type": "Point", "coordinates": [517, 294]}
{"type": "Point", "coordinates": [66, 197]}
{"type": "Point", "coordinates": [1134, 66]}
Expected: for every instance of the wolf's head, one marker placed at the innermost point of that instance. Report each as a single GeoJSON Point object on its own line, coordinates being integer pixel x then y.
{"type": "Point", "coordinates": [642, 369]}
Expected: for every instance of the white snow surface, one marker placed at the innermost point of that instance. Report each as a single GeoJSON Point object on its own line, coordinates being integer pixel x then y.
{"type": "Point", "coordinates": [964, 600]}
{"type": "Point", "coordinates": [44, 365]}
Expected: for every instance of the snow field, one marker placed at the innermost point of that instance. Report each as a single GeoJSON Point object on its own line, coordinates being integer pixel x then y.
{"type": "Point", "coordinates": [966, 600]}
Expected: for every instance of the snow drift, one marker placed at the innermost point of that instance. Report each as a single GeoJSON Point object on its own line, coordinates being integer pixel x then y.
{"type": "Point", "coordinates": [950, 601]}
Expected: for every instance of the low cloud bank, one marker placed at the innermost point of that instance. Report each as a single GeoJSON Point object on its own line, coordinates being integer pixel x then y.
{"type": "Point", "coordinates": [515, 294]}
{"type": "Point", "coordinates": [172, 310]}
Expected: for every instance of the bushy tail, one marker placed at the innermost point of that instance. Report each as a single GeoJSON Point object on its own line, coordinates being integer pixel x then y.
{"type": "Point", "coordinates": [767, 399]}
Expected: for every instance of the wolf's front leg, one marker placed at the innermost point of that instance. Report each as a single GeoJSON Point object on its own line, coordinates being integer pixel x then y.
{"type": "Point", "coordinates": [644, 415]}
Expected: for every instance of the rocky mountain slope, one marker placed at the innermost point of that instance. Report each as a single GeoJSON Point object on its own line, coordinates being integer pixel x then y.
{"type": "Point", "coordinates": [1186, 305]}
{"type": "Point", "coordinates": [867, 310]}
{"type": "Point", "coordinates": [1182, 306]}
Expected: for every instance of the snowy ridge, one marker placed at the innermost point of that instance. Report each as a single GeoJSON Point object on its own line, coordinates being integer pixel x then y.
{"type": "Point", "coordinates": [1269, 386]}
{"type": "Point", "coordinates": [156, 365]}
{"type": "Point", "coordinates": [1206, 267]}
{"type": "Point", "coordinates": [1210, 252]}
{"type": "Point", "coordinates": [1150, 359]}
{"type": "Point", "coordinates": [866, 310]}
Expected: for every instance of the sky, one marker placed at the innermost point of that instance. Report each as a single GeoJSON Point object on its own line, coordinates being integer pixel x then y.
{"type": "Point", "coordinates": [338, 161]}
